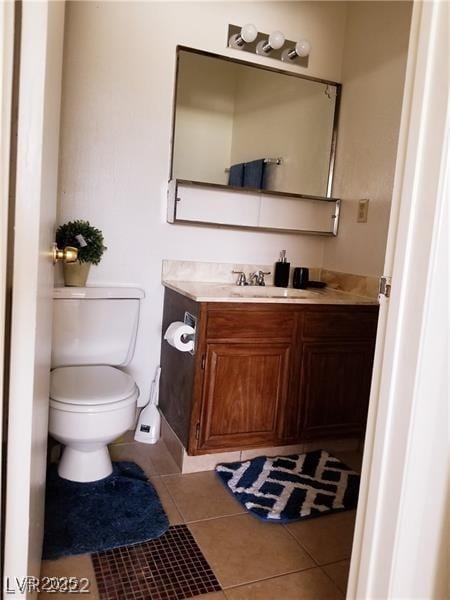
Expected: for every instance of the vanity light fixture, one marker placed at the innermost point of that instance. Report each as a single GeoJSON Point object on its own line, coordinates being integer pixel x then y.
{"type": "Point", "coordinates": [274, 46]}
{"type": "Point", "coordinates": [275, 42]}
{"type": "Point", "coordinates": [247, 35]}
{"type": "Point", "coordinates": [302, 49]}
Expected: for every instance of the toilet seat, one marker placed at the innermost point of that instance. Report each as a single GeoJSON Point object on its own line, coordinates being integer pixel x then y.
{"type": "Point", "coordinates": [96, 388]}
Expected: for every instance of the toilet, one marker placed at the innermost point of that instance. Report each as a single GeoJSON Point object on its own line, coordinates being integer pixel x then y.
{"type": "Point", "coordinates": [92, 400]}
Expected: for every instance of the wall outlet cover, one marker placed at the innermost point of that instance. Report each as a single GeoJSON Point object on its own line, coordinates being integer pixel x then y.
{"type": "Point", "coordinates": [363, 209]}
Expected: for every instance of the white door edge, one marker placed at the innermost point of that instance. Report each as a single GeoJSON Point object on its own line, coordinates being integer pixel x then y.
{"type": "Point", "coordinates": [6, 82]}
{"type": "Point", "coordinates": [41, 48]}
{"type": "Point", "coordinates": [395, 402]}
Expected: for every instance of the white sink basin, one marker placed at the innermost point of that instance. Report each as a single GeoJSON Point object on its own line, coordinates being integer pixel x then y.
{"type": "Point", "coordinates": [269, 291]}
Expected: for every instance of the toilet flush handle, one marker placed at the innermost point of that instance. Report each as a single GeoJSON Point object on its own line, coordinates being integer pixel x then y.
{"type": "Point", "coordinates": [68, 255]}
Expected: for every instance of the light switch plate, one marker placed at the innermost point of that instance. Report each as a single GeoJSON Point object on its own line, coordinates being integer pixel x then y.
{"type": "Point", "coordinates": [363, 209]}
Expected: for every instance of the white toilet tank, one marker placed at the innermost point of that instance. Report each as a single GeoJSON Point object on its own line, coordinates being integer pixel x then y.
{"type": "Point", "coordinates": [94, 325]}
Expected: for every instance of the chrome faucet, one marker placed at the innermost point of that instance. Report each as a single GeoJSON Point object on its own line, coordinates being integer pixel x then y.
{"type": "Point", "coordinates": [242, 279]}
{"type": "Point", "coordinates": [257, 278]}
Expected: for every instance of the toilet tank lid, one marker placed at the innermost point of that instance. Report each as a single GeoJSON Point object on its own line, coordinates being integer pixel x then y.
{"type": "Point", "coordinates": [75, 293]}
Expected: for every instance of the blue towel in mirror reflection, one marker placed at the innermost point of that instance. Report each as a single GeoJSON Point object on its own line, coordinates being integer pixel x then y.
{"type": "Point", "coordinates": [248, 175]}
{"type": "Point", "coordinates": [236, 176]}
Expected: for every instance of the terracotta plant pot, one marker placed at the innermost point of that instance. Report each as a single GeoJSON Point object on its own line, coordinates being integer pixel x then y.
{"type": "Point", "coordinates": [76, 274]}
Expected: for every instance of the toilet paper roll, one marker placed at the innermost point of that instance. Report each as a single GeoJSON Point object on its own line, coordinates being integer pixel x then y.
{"type": "Point", "coordinates": [176, 333]}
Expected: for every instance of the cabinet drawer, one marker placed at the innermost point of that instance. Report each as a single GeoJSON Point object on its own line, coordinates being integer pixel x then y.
{"type": "Point", "coordinates": [250, 324]}
{"type": "Point", "coordinates": [350, 324]}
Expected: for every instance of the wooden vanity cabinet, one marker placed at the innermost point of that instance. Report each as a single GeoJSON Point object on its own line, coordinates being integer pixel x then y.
{"type": "Point", "coordinates": [267, 374]}
{"type": "Point", "coordinates": [335, 357]}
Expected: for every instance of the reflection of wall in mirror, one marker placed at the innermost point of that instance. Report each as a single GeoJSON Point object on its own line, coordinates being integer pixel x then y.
{"type": "Point", "coordinates": [287, 117]}
{"type": "Point", "coordinates": [204, 118]}
{"type": "Point", "coordinates": [229, 113]}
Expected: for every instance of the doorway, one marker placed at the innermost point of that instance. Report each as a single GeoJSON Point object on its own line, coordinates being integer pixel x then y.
{"type": "Point", "coordinates": [14, 495]}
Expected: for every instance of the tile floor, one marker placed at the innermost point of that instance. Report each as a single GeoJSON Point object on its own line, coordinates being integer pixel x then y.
{"type": "Point", "coordinates": [252, 560]}
{"type": "Point", "coordinates": [168, 567]}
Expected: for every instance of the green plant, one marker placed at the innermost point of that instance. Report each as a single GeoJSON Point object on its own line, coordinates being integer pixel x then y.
{"type": "Point", "coordinates": [83, 236]}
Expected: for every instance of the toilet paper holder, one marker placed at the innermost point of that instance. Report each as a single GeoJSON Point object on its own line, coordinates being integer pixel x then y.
{"type": "Point", "coordinates": [191, 320]}
{"type": "Point", "coordinates": [187, 337]}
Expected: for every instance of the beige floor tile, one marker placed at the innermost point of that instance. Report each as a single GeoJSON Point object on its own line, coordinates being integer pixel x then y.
{"type": "Point", "coordinates": [73, 566]}
{"type": "Point", "coordinates": [162, 459]}
{"type": "Point", "coordinates": [327, 539]}
{"type": "Point", "coordinates": [351, 459]}
{"type": "Point", "coordinates": [306, 585]}
{"type": "Point", "coordinates": [126, 438]}
{"type": "Point", "coordinates": [207, 462]}
{"type": "Point", "coordinates": [172, 442]}
{"type": "Point", "coordinates": [212, 596]}
{"type": "Point", "coordinates": [136, 452]}
{"type": "Point", "coordinates": [272, 451]}
{"type": "Point", "coordinates": [338, 573]}
{"type": "Point", "coordinates": [201, 496]}
{"type": "Point", "coordinates": [240, 549]}
{"type": "Point", "coordinates": [172, 512]}
{"type": "Point", "coordinates": [333, 446]}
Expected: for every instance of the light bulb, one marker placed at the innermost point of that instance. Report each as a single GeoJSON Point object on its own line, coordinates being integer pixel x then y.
{"type": "Point", "coordinates": [303, 48]}
{"type": "Point", "coordinates": [249, 33]}
{"type": "Point", "coordinates": [276, 40]}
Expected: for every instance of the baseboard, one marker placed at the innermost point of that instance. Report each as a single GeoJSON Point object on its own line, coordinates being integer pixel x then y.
{"type": "Point", "coordinates": [208, 462]}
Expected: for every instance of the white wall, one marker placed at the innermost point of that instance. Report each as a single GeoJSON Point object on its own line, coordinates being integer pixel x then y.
{"type": "Point", "coordinates": [376, 44]}
{"type": "Point", "coordinates": [119, 68]}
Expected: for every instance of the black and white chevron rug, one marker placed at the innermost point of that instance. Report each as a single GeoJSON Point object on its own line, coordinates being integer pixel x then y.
{"type": "Point", "coordinates": [289, 488]}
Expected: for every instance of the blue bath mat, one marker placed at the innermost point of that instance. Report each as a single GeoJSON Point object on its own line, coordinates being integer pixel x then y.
{"type": "Point", "coordinates": [289, 488]}
{"type": "Point", "coordinates": [120, 510]}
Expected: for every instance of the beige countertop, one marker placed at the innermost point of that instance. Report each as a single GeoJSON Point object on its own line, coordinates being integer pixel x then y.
{"type": "Point", "coordinates": [202, 291]}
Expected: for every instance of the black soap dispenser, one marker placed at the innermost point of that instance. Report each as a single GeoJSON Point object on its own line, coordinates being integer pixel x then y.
{"type": "Point", "coordinates": [282, 267]}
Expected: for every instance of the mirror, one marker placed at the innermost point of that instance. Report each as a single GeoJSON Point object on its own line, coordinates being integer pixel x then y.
{"type": "Point", "coordinates": [248, 126]}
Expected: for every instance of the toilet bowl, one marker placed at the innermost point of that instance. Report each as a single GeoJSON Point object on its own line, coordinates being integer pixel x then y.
{"type": "Point", "coordinates": [92, 401]}
{"type": "Point", "coordinates": [90, 406]}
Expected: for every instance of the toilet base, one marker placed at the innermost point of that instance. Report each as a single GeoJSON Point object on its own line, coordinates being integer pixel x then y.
{"type": "Point", "coordinates": [85, 465]}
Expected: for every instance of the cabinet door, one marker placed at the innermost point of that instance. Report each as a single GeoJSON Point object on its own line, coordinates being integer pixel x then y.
{"type": "Point", "coordinates": [334, 388]}
{"type": "Point", "coordinates": [244, 388]}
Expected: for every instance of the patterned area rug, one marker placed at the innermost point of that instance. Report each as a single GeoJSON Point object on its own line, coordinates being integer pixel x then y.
{"type": "Point", "coordinates": [290, 488]}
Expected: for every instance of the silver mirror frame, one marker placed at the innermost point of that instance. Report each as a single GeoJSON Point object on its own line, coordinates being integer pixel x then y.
{"type": "Point", "coordinates": [173, 182]}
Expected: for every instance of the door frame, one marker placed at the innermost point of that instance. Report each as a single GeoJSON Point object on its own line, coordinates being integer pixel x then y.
{"type": "Point", "coordinates": [407, 414]}
{"type": "Point", "coordinates": [33, 208]}
{"type": "Point", "coordinates": [9, 16]}
{"type": "Point", "coordinates": [368, 576]}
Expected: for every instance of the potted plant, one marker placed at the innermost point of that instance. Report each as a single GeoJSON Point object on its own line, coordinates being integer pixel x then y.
{"type": "Point", "coordinates": [89, 242]}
